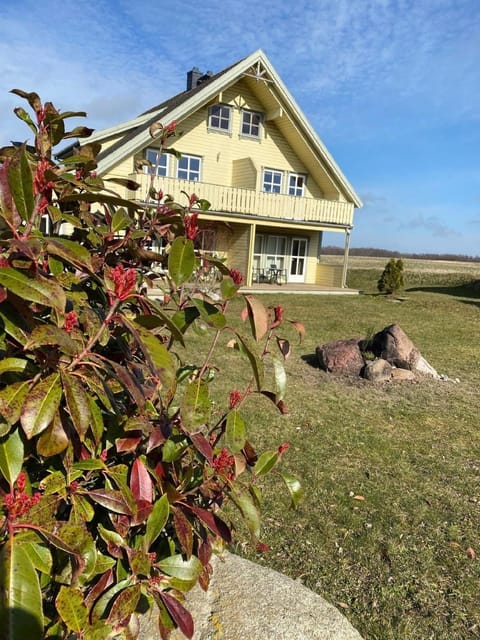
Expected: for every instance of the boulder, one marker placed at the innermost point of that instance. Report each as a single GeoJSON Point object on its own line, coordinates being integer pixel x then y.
{"type": "Point", "coordinates": [402, 374]}
{"type": "Point", "coordinates": [422, 366]}
{"type": "Point", "coordinates": [246, 601]}
{"type": "Point", "coordinates": [393, 344]}
{"type": "Point", "coordinates": [378, 370]}
{"type": "Point", "coordinates": [341, 356]}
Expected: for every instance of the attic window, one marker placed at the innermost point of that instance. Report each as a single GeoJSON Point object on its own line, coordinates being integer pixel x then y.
{"type": "Point", "coordinates": [219, 117]}
{"type": "Point", "coordinates": [251, 123]}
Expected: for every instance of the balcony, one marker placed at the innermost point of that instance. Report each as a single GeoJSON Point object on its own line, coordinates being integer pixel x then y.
{"type": "Point", "coordinates": [250, 202]}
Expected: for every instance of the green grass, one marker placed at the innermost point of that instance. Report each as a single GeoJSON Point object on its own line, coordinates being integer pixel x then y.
{"type": "Point", "coordinates": [396, 562]}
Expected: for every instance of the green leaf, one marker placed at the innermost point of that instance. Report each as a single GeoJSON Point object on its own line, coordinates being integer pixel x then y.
{"type": "Point", "coordinates": [12, 399]}
{"type": "Point", "coordinates": [210, 313]}
{"type": "Point", "coordinates": [21, 614]}
{"type": "Point", "coordinates": [156, 354]}
{"type": "Point", "coordinates": [280, 379]}
{"type": "Point", "coordinates": [11, 456]}
{"type": "Point", "coordinates": [177, 567]}
{"type": "Point", "coordinates": [72, 609]}
{"type": "Point", "coordinates": [78, 403]}
{"type": "Point", "coordinates": [248, 507]}
{"type": "Point", "coordinates": [41, 405]}
{"type": "Point", "coordinates": [120, 220]}
{"type": "Point", "coordinates": [181, 260]}
{"type": "Point", "coordinates": [71, 252]}
{"type": "Point", "coordinates": [40, 555]}
{"type": "Point", "coordinates": [101, 605]}
{"type": "Point", "coordinates": [13, 324]}
{"type": "Point", "coordinates": [249, 350]}
{"type": "Point", "coordinates": [124, 605]}
{"type": "Point", "coordinates": [53, 439]}
{"type": "Point", "coordinates": [265, 463]}
{"type": "Point", "coordinates": [34, 289]}
{"type": "Point", "coordinates": [25, 116]}
{"type": "Point", "coordinates": [195, 405]}
{"type": "Point", "coordinates": [235, 432]}
{"type": "Point", "coordinates": [48, 334]}
{"type": "Point", "coordinates": [228, 288]}
{"type": "Point", "coordinates": [184, 318]}
{"type": "Point", "coordinates": [13, 364]}
{"type": "Point", "coordinates": [159, 318]}
{"type": "Point", "coordinates": [20, 179]}
{"type": "Point", "coordinates": [294, 487]}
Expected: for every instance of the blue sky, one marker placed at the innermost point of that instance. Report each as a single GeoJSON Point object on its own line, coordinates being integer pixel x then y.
{"type": "Point", "coordinates": [392, 87]}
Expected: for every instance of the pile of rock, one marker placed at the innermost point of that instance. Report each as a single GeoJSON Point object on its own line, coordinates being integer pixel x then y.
{"type": "Point", "coordinates": [390, 354]}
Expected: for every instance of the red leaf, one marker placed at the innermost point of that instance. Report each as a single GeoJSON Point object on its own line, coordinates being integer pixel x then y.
{"type": "Point", "coordinates": [205, 552]}
{"type": "Point", "coordinates": [202, 445]}
{"type": "Point", "coordinates": [142, 511]}
{"type": "Point", "coordinates": [180, 615]}
{"type": "Point", "coordinates": [258, 316]}
{"type": "Point", "coordinates": [141, 482]}
{"type": "Point", "coordinates": [184, 531]}
{"type": "Point", "coordinates": [300, 328]}
{"type": "Point", "coordinates": [204, 579]}
{"type": "Point", "coordinates": [105, 581]}
{"type": "Point", "coordinates": [123, 445]}
{"type": "Point", "coordinates": [112, 500]}
{"type": "Point", "coordinates": [155, 439]}
{"type": "Point", "coordinates": [213, 522]}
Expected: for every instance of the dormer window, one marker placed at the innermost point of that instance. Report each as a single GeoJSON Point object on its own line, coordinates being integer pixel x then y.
{"type": "Point", "coordinates": [220, 118]}
{"type": "Point", "coordinates": [251, 123]}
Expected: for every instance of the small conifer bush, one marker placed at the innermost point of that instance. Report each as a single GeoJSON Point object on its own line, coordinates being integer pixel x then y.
{"type": "Point", "coordinates": [391, 281]}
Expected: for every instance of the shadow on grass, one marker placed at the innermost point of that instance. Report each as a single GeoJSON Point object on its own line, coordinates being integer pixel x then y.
{"type": "Point", "coordinates": [311, 359]}
{"type": "Point", "coordinates": [471, 291]}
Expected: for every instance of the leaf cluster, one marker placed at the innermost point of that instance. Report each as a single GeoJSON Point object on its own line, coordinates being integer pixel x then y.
{"type": "Point", "coordinates": [113, 465]}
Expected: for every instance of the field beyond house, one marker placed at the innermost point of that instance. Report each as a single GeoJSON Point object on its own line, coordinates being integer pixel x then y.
{"type": "Point", "coordinates": [388, 530]}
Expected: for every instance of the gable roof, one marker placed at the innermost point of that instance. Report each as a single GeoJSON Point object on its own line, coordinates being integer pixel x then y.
{"type": "Point", "coordinates": [257, 66]}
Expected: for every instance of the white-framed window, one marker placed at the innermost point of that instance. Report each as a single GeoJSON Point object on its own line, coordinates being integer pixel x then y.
{"type": "Point", "coordinates": [158, 163]}
{"type": "Point", "coordinates": [272, 180]}
{"type": "Point", "coordinates": [220, 117]}
{"type": "Point", "coordinates": [189, 167]}
{"type": "Point", "coordinates": [296, 184]}
{"type": "Point", "coordinates": [251, 123]}
{"type": "Point", "coordinates": [46, 224]}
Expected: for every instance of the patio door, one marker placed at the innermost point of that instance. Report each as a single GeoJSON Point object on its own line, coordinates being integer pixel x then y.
{"type": "Point", "coordinates": [298, 260]}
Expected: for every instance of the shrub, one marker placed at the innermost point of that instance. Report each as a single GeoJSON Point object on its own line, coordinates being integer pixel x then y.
{"type": "Point", "coordinates": [391, 280]}
{"type": "Point", "coordinates": [113, 465]}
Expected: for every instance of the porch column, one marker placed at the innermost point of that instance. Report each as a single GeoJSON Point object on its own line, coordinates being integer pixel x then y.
{"type": "Point", "coordinates": [345, 258]}
{"type": "Point", "coordinates": [251, 249]}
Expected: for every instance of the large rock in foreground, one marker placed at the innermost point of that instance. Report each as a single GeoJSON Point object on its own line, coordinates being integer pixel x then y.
{"type": "Point", "coordinates": [393, 345]}
{"type": "Point", "coordinates": [342, 356]}
{"type": "Point", "coordinates": [246, 601]}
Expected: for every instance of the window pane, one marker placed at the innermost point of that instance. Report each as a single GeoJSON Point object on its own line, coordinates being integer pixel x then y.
{"type": "Point", "coordinates": [220, 117]}
{"type": "Point", "coordinates": [272, 181]}
{"type": "Point", "coordinates": [251, 121]}
{"type": "Point", "coordinates": [189, 168]}
{"type": "Point", "coordinates": [296, 184]}
{"type": "Point", "coordinates": [159, 162]}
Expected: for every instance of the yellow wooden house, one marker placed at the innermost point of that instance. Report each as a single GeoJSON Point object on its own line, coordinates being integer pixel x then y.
{"type": "Point", "coordinates": [247, 148]}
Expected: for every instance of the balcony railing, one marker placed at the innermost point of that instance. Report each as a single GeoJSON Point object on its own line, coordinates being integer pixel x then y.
{"type": "Point", "coordinates": [250, 202]}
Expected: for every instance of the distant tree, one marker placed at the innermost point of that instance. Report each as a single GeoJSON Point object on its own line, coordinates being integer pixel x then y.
{"type": "Point", "coordinates": [391, 279]}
